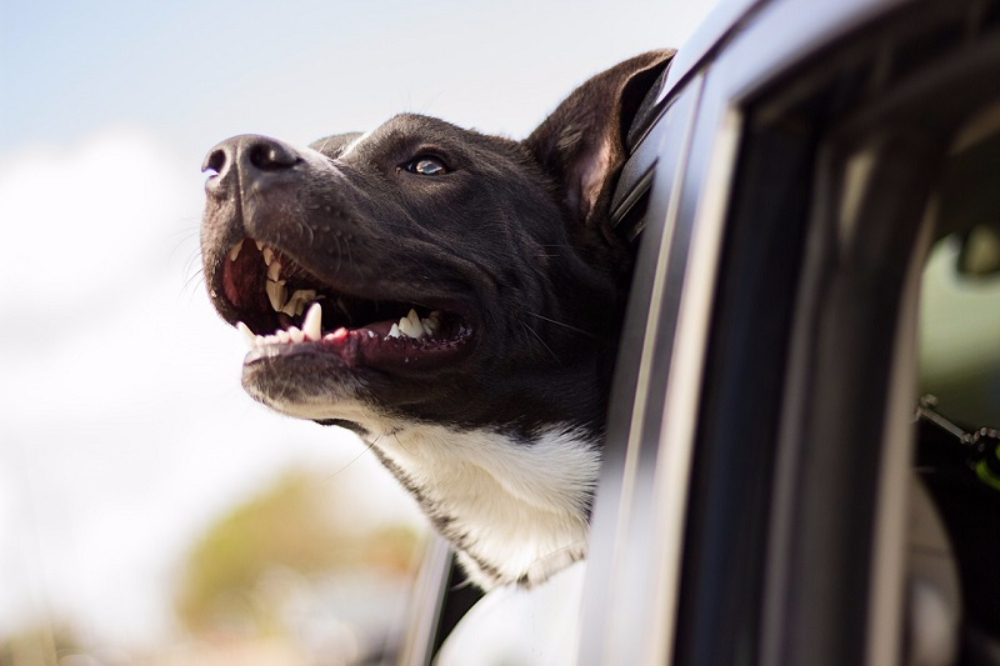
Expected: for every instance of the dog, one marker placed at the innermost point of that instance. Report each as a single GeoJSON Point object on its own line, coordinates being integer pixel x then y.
{"type": "Point", "coordinates": [452, 297]}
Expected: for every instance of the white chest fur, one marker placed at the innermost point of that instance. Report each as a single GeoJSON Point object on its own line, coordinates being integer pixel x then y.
{"type": "Point", "coordinates": [517, 510]}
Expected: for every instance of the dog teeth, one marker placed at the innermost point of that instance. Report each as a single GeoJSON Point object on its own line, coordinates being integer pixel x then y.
{"type": "Point", "coordinates": [312, 326]}
{"type": "Point", "coordinates": [415, 328]}
{"type": "Point", "coordinates": [277, 293]}
{"type": "Point", "coordinates": [296, 305]}
{"type": "Point", "coordinates": [248, 335]}
{"type": "Point", "coordinates": [431, 323]}
{"type": "Point", "coordinates": [410, 325]}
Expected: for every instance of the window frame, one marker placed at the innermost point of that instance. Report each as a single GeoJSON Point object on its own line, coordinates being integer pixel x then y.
{"type": "Point", "coordinates": [826, 596]}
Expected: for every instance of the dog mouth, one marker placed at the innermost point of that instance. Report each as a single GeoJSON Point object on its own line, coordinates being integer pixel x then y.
{"type": "Point", "coordinates": [283, 309]}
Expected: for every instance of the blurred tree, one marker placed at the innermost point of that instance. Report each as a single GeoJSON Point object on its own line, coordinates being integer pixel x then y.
{"type": "Point", "coordinates": [296, 529]}
{"type": "Point", "coordinates": [40, 645]}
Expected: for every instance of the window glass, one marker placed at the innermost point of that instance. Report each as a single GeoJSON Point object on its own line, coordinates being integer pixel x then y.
{"type": "Point", "coordinates": [960, 330]}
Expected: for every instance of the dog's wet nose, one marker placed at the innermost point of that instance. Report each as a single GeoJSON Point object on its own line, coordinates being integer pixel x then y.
{"type": "Point", "coordinates": [252, 154]}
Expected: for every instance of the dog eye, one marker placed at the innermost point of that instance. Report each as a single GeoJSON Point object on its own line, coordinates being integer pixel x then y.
{"type": "Point", "coordinates": [426, 165]}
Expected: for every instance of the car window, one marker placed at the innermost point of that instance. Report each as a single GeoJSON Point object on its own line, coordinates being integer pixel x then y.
{"type": "Point", "coordinates": [958, 452]}
{"type": "Point", "coordinates": [960, 327]}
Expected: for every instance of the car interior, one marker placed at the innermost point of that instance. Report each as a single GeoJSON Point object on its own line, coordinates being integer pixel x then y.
{"type": "Point", "coordinates": [957, 587]}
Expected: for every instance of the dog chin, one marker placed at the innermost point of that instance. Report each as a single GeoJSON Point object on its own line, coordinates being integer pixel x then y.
{"type": "Point", "coordinates": [282, 385]}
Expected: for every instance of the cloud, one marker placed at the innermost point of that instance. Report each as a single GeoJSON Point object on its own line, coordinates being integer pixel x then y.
{"type": "Point", "coordinates": [125, 430]}
{"type": "Point", "coordinates": [88, 217]}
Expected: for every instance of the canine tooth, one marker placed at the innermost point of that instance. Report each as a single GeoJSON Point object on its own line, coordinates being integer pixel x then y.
{"type": "Point", "coordinates": [260, 245]}
{"type": "Point", "coordinates": [274, 271]}
{"type": "Point", "coordinates": [268, 255]}
{"type": "Point", "coordinates": [234, 252]}
{"type": "Point", "coordinates": [393, 332]}
{"type": "Point", "coordinates": [248, 335]}
{"type": "Point", "coordinates": [277, 294]}
{"type": "Point", "coordinates": [296, 335]}
{"type": "Point", "coordinates": [312, 326]}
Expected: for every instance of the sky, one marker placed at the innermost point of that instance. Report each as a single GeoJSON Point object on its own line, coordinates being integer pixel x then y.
{"type": "Point", "coordinates": [123, 429]}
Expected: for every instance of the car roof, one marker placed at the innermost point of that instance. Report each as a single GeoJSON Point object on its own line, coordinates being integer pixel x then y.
{"type": "Point", "coordinates": [802, 34]}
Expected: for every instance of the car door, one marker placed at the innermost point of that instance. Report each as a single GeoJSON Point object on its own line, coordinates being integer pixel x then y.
{"type": "Point", "coordinates": [756, 503]}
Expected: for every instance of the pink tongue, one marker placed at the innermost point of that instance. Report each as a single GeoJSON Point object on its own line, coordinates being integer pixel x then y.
{"type": "Point", "coordinates": [381, 328]}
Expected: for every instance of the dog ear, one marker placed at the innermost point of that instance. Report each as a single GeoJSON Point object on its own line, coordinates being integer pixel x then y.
{"type": "Point", "coordinates": [581, 144]}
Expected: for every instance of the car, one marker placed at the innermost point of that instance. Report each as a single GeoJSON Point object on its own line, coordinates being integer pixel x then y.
{"type": "Point", "coordinates": [800, 464]}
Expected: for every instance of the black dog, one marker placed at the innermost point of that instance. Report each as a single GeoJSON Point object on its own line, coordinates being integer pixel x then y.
{"type": "Point", "coordinates": [452, 297]}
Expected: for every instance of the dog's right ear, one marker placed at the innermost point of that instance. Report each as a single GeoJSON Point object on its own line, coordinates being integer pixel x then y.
{"type": "Point", "coordinates": [581, 144]}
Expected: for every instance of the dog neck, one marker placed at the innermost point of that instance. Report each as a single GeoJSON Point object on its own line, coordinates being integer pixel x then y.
{"type": "Point", "coordinates": [515, 509]}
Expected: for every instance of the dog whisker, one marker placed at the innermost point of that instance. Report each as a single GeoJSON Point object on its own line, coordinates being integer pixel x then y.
{"type": "Point", "coordinates": [540, 340]}
{"type": "Point", "coordinates": [367, 448]}
{"type": "Point", "coordinates": [191, 268]}
{"type": "Point", "coordinates": [193, 282]}
{"type": "Point", "coordinates": [400, 442]}
{"type": "Point", "coordinates": [576, 545]}
{"type": "Point", "coordinates": [564, 325]}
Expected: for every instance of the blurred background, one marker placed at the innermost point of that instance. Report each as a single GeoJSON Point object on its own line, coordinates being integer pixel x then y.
{"type": "Point", "coordinates": [150, 512]}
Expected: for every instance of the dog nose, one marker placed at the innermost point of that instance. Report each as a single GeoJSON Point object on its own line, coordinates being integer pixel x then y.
{"type": "Point", "coordinates": [251, 154]}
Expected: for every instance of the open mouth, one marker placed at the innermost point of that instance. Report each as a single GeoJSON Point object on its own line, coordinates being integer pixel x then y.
{"type": "Point", "coordinates": [283, 309]}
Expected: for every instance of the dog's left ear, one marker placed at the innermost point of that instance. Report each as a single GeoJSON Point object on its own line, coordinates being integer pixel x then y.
{"type": "Point", "coordinates": [581, 145]}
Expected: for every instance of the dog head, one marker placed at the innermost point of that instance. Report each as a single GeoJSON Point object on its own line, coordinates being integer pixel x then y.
{"type": "Point", "coordinates": [461, 279]}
